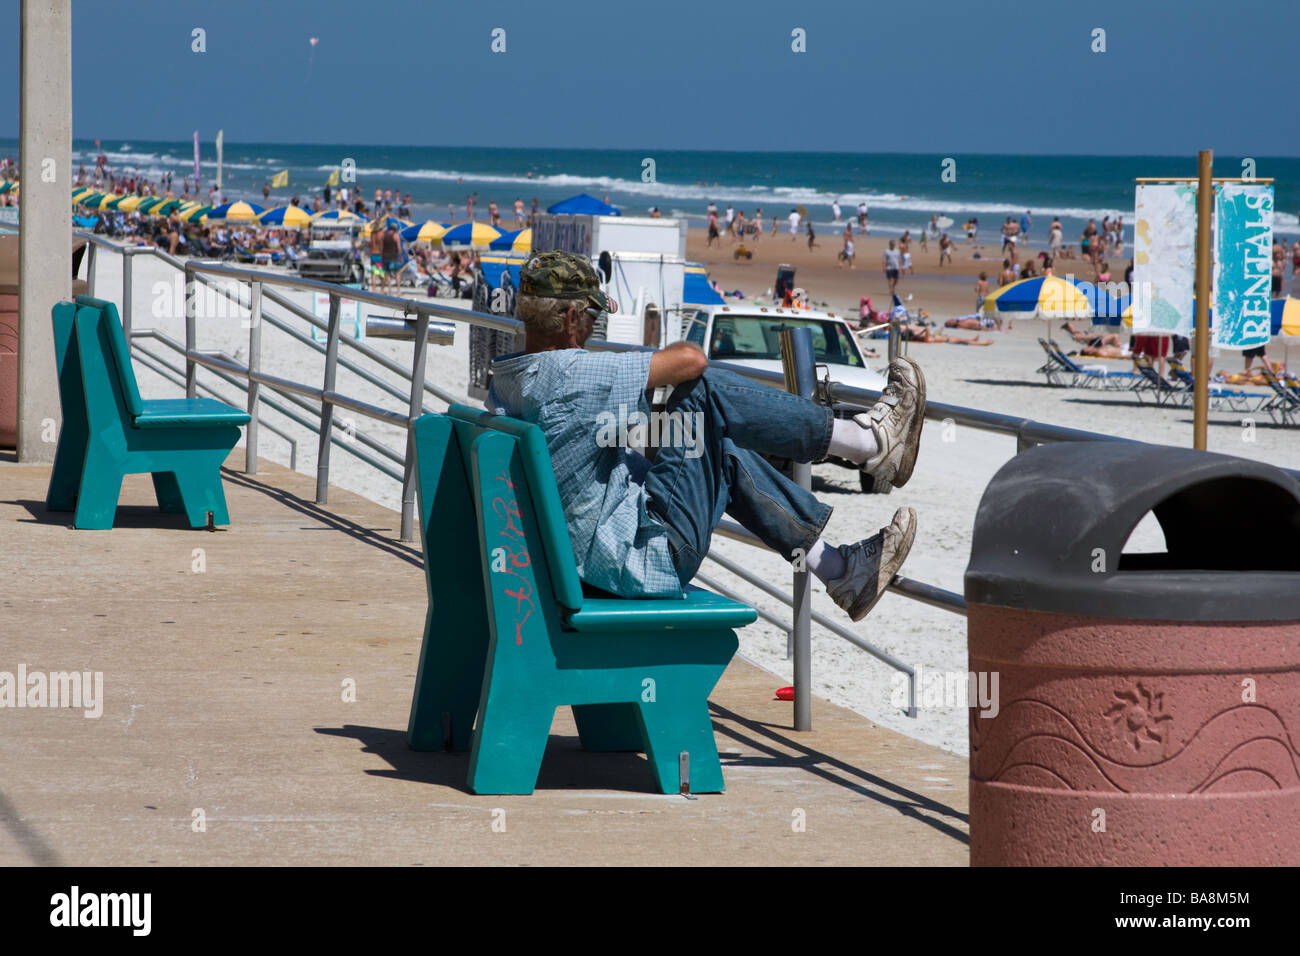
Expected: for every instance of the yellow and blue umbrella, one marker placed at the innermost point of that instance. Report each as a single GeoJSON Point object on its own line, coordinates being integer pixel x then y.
{"type": "Point", "coordinates": [520, 240]}
{"type": "Point", "coordinates": [427, 231]}
{"type": "Point", "coordinates": [236, 212]}
{"type": "Point", "coordinates": [286, 217]}
{"type": "Point", "coordinates": [337, 215]}
{"type": "Point", "coordinates": [1049, 297]}
{"type": "Point", "coordinates": [470, 234]}
{"type": "Point", "coordinates": [1286, 316]}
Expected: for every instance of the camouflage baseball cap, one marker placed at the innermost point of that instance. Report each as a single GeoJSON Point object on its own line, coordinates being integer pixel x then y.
{"type": "Point", "coordinates": [563, 275]}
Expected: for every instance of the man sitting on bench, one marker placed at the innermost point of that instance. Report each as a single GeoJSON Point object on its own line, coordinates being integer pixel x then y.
{"type": "Point", "coordinates": [642, 530]}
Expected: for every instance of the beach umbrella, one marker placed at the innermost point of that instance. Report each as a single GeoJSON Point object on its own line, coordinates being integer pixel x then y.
{"type": "Point", "coordinates": [82, 191]}
{"type": "Point", "coordinates": [8, 185]}
{"type": "Point", "coordinates": [236, 212]}
{"type": "Point", "coordinates": [384, 223]}
{"type": "Point", "coordinates": [427, 231]}
{"type": "Point", "coordinates": [287, 217]}
{"type": "Point", "coordinates": [337, 215]}
{"type": "Point", "coordinates": [1286, 316]}
{"type": "Point", "coordinates": [149, 204]}
{"type": "Point", "coordinates": [195, 214]}
{"type": "Point", "coordinates": [104, 201]}
{"type": "Point", "coordinates": [165, 207]}
{"type": "Point", "coordinates": [520, 240]}
{"type": "Point", "coordinates": [91, 201]}
{"type": "Point", "coordinates": [470, 234]}
{"type": "Point", "coordinates": [1049, 297]}
{"type": "Point", "coordinates": [583, 205]}
{"type": "Point", "coordinates": [131, 203]}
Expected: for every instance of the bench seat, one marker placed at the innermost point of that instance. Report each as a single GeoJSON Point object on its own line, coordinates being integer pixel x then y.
{"type": "Point", "coordinates": [699, 609]}
{"type": "Point", "coordinates": [188, 413]}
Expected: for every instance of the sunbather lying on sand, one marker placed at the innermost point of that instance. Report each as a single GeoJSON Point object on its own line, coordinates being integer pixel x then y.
{"type": "Point", "coordinates": [975, 323]}
{"type": "Point", "coordinates": [1095, 340]}
{"type": "Point", "coordinates": [926, 333]}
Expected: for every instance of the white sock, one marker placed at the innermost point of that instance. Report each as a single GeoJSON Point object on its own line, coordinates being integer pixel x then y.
{"type": "Point", "coordinates": [850, 440]}
{"type": "Point", "coordinates": [825, 562]}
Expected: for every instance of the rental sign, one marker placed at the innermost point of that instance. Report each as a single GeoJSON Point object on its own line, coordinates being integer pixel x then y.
{"type": "Point", "coordinates": [1243, 231]}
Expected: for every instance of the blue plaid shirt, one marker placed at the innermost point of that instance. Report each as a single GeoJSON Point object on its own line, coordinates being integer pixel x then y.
{"type": "Point", "coordinates": [618, 545]}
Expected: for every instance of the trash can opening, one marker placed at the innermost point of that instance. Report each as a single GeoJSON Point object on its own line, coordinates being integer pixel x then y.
{"type": "Point", "coordinates": [1225, 524]}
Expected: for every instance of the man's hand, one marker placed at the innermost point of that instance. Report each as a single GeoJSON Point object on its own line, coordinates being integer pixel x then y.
{"type": "Point", "coordinates": [679, 362]}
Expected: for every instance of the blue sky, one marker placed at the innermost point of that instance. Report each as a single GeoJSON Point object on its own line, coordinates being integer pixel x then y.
{"type": "Point", "coordinates": [919, 75]}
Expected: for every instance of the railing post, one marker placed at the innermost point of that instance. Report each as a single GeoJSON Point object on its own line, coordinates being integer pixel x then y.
{"type": "Point", "coordinates": [798, 363]}
{"type": "Point", "coordinates": [127, 260]}
{"type": "Point", "coordinates": [91, 253]}
{"type": "Point", "coordinates": [254, 366]}
{"type": "Point", "coordinates": [895, 334]}
{"type": "Point", "coordinates": [416, 407]}
{"type": "Point", "coordinates": [326, 406]}
{"type": "Point", "coordinates": [191, 334]}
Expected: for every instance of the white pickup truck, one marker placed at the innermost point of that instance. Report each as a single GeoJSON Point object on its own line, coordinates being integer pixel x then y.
{"type": "Point", "coordinates": [749, 335]}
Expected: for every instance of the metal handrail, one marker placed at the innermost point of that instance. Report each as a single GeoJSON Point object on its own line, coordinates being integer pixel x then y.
{"type": "Point", "coordinates": [1027, 432]}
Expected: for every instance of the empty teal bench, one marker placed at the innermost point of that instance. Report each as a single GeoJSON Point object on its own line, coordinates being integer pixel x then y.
{"type": "Point", "coordinates": [109, 431]}
{"type": "Point", "coordinates": [511, 635]}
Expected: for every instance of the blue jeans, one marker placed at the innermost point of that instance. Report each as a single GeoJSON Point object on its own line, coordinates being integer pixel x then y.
{"type": "Point", "coordinates": [740, 419]}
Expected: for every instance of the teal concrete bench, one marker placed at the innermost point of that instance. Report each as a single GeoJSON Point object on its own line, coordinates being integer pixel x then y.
{"type": "Point", "coordinates": [511, 635]}
{"type": "Point", "coordinates": [110, 432]}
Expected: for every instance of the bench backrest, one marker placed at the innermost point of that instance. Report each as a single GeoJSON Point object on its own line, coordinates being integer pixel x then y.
{"type": "Point", "coordinates": [108, 343]}
{"type": "Point", "coordinates": [538, 493]}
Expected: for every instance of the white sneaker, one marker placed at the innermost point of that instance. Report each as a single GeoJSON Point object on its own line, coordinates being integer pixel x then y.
{"type": "Point", "coordinates": [871, 564]}
{"type": "Point", "coordinates": [896, 422]}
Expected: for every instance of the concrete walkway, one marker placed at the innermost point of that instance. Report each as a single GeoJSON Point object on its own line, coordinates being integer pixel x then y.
{"type": "Point", "coordinates": [225, 658]}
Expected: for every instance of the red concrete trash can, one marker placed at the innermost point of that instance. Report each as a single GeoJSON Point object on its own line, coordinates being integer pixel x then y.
{"type": "Point", "coordinates": [1148, 705]}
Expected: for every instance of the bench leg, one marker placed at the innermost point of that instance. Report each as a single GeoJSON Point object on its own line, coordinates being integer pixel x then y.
{"type": "Point", "coordinates": [69, 463]}
{"type": "Point", "coordinates": [669, 731]}
{"type": "Point", "coordinates": [200, 491]}
{"type": "Point", "coordinates": [101, 486]}
{"type": "Point", "coordinates": [509, 744]}
{"type": "Point", "coordinates": [168, 492]}
{"type": "Point", "coordinates": [609, 727]}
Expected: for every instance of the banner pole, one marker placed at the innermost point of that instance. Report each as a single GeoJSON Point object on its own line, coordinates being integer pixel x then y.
{"type": "Point", "coordinates": [1204, 214]}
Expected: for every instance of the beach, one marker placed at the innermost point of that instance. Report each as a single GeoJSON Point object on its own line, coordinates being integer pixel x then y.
{"type": "Point", "coordinates": [954, 466]}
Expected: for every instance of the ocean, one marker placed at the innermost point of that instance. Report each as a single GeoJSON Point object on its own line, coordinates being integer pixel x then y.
{"type": "Point", "coordinates": [901, 190]}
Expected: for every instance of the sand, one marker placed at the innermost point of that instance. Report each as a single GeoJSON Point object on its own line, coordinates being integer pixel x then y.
{"type": "Point", "coordinates": [953, 468]}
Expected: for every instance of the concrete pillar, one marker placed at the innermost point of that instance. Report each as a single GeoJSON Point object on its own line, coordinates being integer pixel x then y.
{"type": "Point", "coordinates": [45, 217]}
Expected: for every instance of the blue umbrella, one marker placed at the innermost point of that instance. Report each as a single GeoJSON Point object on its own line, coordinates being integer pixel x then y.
{"type": "Point", "coordinates": [505, 242]}
{"type": "Point", "coordinates": [583, 205]}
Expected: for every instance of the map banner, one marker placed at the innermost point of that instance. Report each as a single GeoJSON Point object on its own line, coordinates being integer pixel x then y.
{"type": "Point", "coordinates": [1243, 258]}
{"type": "Point", "coordinates": [1164, 259]}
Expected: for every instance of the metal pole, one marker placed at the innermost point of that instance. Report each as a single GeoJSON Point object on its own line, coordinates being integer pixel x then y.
{"type": "Point", "coordinates": [417, 407]}
{"type": "Point", "coordinates": [254, 366]}
{"type": "Point", "coordinates": [91, 254]}
{"type": "Point", "coordinates": [326, 406]}
{"type": "Point", "coordinates": [1204, 212]}
{"type": "Point", "coordinates": [191, 335]}
{"type": "Point", "coordinates": [895, 334]}
{"type": "Point", "coordinates": [127, 259]}
{"type": "Point", "coordinates": [797, 362]}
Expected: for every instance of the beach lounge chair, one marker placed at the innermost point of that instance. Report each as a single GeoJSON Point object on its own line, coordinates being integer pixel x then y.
{"type": "Point", "coordinates": [1098, 376]}
{"type": "Point", "coordinates": [110, 432]}
{"type": "Point", "coordinates": [512, 635]}
{"type": "Point", "coordinates": [1154, 384]}
{"type": "Point", "coordinates": [1283, 406]}
{"type": "Point", "coordinates": [1219, 395]}
{"type": "Point", "coordinates": [1057, 371]}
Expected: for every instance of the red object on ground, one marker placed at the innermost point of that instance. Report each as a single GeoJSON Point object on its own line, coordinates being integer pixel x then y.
{"type": "Point", "coordinates": [785, 693]}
